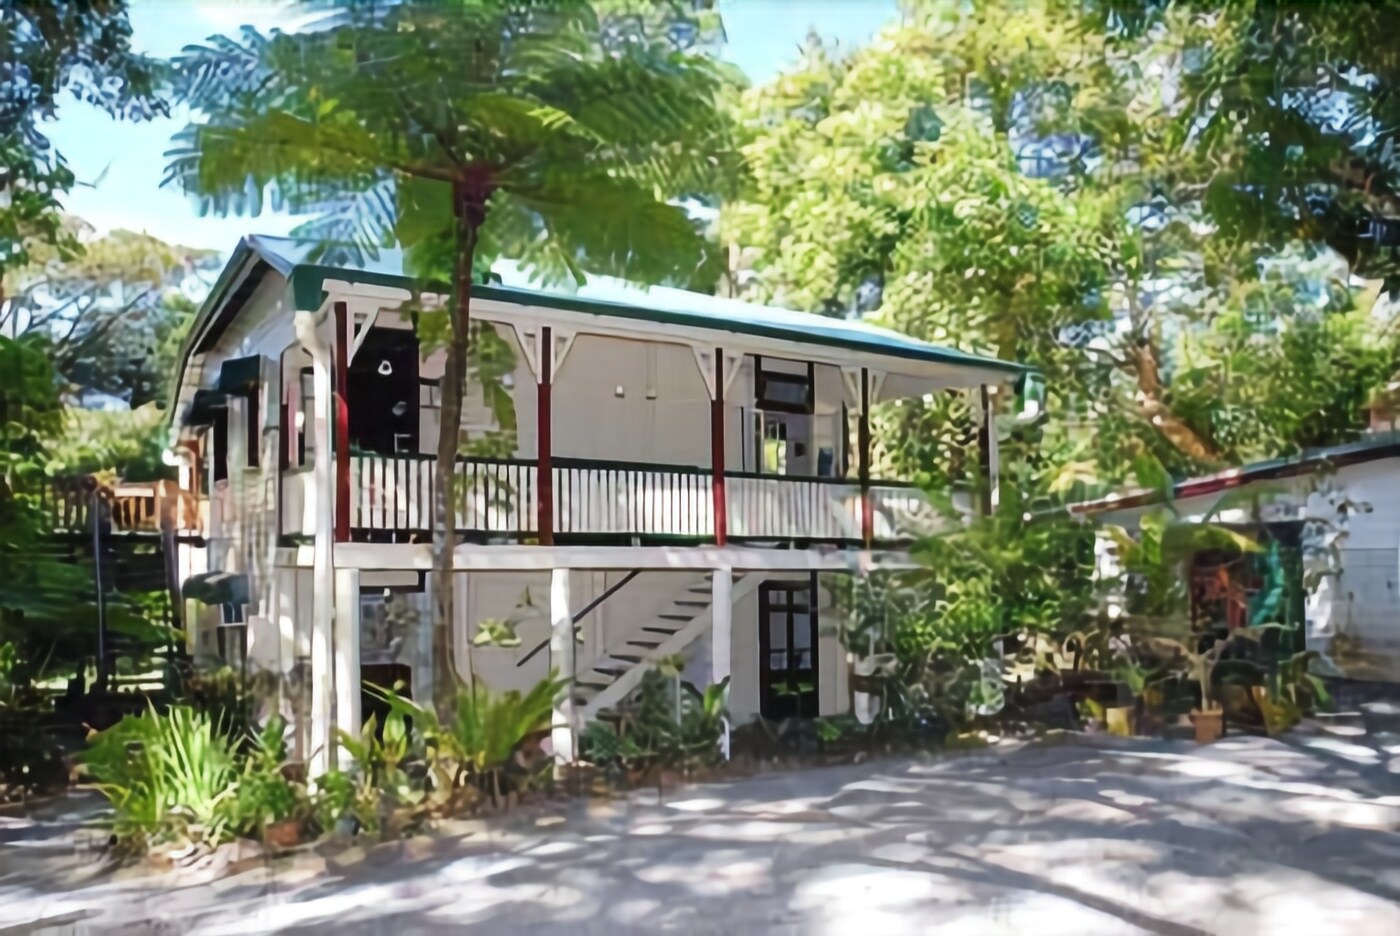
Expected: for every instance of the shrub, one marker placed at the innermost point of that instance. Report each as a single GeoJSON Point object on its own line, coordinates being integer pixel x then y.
{"type": "Point", "coordinates": [265, 792]}
{"type": "Point", "coordinates": [170, 778]}
{"type": "Point", "coordinates": [478, 748]}
{"type": "Point", "coordinates": [666, 724]}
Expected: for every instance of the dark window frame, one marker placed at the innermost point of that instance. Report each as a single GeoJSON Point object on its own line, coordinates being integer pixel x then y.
{"type": "Point", "coordinates": [253, 425]}
{"type": "Point", "coordinates": [218, 443]}
{"type": "Point", "coordinates": [763, 379]}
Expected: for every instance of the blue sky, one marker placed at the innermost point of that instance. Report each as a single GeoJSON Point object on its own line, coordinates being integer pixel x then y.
{"type": "Point", "coordinates": [121, 164]}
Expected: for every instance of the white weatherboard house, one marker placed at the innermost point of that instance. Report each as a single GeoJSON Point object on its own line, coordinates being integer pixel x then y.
{"type": "Point", "coordinates": [686, 475]}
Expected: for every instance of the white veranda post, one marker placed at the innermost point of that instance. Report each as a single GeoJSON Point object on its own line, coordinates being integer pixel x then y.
{"type": "Point", "coordinates": [347, 658]}
{"type": "Point", "coordinates": [722, 634]}
{"type": "Point", "coordinates": [561, 660]}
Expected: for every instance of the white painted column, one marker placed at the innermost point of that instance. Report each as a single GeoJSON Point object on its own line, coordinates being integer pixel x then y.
{"type": "Point", "coordinates": [322, 709]}
{"type": "Point", "coordinates": [561, 661]}
{"type": "Point", "coordinates": [722, 634]}
{"type": "Point", "coordinates": [462, 630]}
{"type": "Point", "coordinates": [284, 613]}
{"type": "Point", "coordinates": [987, 402]}
{"type": "Point", "coordinates": [347, 657]}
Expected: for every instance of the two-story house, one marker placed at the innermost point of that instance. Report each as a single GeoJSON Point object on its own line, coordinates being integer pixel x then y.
{"type": "Point", "coordinates": [643, 473]}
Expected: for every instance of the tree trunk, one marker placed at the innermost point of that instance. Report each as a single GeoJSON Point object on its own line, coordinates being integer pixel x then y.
{"type": "Point", "coordinates": [1173, 429]}
{"type": "Point", "coordinates": [469, 207]}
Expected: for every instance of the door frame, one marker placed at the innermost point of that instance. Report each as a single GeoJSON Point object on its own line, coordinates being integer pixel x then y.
{"type": "Point", "coordinates": [808, 706]}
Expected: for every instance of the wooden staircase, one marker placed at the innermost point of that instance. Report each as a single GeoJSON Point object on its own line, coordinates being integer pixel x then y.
{"type": "Point", "coordinates": [619, 669]}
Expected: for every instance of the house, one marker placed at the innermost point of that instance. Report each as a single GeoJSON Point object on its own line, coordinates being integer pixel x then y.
{"type": "Point", "coordinates": [660, 471]}
{"type": "Point", "coordinates": [1328, 522]}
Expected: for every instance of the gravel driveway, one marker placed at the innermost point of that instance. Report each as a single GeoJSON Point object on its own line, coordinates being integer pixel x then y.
{"type": "Point", "coordinates": [1089, 836]}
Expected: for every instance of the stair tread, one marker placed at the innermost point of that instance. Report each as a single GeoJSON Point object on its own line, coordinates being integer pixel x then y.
{"type": "Point", "coordinates": [676, 617]}
{"type": "Point", "coordinates": [690, 604]}
{"type": "Point", "coordinates": [661, 630]}
{"type": "Point", "coordinates": [645, 644]}
{"type": "Point", "coordinates": [627, 657]}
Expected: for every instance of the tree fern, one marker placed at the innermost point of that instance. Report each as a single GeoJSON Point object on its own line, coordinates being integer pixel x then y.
{"type": "Point", "coordinates": [466, 131]}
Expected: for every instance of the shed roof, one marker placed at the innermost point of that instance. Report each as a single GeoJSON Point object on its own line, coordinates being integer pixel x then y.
{"type": "Point", "coordinates": [1371, 448]}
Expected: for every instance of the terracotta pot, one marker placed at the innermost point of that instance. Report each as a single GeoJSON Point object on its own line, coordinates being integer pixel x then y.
{"type": "Point", "coordinates": [1210, 725]}
{"type": "Point", "coordinates": [284, 833]}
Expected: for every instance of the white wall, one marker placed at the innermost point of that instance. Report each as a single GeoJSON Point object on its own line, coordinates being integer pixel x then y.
{"type": "Point", "coordinates": [1354, 616]}
{"type": "Point", "coordinates": [662, 414]}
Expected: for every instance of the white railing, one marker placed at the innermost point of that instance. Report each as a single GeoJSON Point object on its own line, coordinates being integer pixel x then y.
{"type": "Point", "coordinates": [394, 494]}
{"type": "Point", "coordinates": [903, 513]}
{"type": "Point", "coordinates": [611, 499]}
{"type": "Point", "coordinates": [776, 507]}
{"type": "Point", "coordinates": [594, 499]}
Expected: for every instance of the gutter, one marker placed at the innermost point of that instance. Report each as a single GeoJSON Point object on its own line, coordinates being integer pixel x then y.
{"type": "Point", "coordinates": [1309, 462]}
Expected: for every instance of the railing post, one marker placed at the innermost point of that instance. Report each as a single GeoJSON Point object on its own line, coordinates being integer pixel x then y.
{"type": "Point", "coordinates": [341, 363]}
{"type": "Point", "coordinates": [717, 452]}
{"type": "Point", "coordinates": [867, 507]}
{"type": "Point", "coordinates": [544, 468]}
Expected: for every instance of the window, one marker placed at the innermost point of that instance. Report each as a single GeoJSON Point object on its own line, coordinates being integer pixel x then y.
{"type": "Point", "coordinates": [220, 444]}
{"type": "Point", "coordinates": [384, 394]}
{"type": "Point", "coordinates": [775, 447]}
{"type": "Point", "coordinates": [253, 424]}
{"type": "Point", "coordinates": [783, 391]}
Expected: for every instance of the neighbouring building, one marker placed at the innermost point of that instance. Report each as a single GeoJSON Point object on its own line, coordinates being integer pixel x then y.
{"type": "Point", "coordinates": [1328, 523]}
{"type": "Point", "coordinates": [657, 471]}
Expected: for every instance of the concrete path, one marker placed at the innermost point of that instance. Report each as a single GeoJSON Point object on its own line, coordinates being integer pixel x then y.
{"type": "Point", "coordinates": [1093, 836]}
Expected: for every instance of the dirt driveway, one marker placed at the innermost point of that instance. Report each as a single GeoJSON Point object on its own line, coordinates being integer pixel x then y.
{"type": "Point", "coordinates": [1091, 836]}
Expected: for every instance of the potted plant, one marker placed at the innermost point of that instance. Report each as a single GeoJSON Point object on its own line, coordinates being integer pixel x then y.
{"type": "Point", "coordinates": [1289, 692]}
{"type": "Point", "coordinates": [271, 805]}
{"type": "Point", "coordinates": [1130, 681]}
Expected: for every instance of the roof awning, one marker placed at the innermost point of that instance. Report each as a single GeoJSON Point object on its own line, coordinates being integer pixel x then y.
{"type": "Point", "coordinates": [204, 407]}
{"type": "Point", "coordinates": [217, 588]}
{"type": "Point", "coordinates": [239, 376]}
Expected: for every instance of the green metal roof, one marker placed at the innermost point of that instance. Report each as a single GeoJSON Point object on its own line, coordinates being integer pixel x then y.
{"type": "Point", "coordinates": [601, 295]}
{"type": "Point", "coordinates": [615, 298]}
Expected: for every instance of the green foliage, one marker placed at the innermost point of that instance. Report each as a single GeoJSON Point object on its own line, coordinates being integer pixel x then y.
{"type": "Point", "coordinates": [114, 314]}
{"type": "Point", "coordinates": [1032, 178]}
{"type": "Point", "coordinates": [51, 49]}
{"type": "Point", "coordinates": [380, 795]}
{"type": "Point", "coordinates": [39, 592]}
{"type": "Point", "coordinates": [265, 794]}
{"type": "Point", "coordinates": [472, 751]}
{"type": "Point", "coordinates": [666, 723]}
{"type": "Point", "coordinates": [115, 444]}
{"type": "Point", "coordinates": [170, 777]}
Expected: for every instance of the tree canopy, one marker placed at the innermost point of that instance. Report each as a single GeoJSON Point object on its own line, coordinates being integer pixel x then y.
{"type": "Point", "coordinates": [73, 47]}
{"type": "Point", "coordinates": [113, 313]}
{"type": "Point", "coordinates": [1103, 191]}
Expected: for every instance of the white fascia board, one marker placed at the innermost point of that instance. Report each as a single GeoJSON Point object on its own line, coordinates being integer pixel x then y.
{"type": "Point", "coordinates": [526, 558]}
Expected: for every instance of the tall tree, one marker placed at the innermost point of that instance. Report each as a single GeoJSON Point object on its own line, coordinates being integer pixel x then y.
{"type": "Point", "coordinates": [112, 314]}
{"type": "Point", "coordinates": [464, 132]}
{"type": "Point", "coordinates": [1034, 178]}
{"type": "Point", "coordinates": [78, 47]}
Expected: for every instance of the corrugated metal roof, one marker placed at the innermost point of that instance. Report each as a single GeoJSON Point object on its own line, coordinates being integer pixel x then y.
{"type": "Point", "coordinates": [607, 296]}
